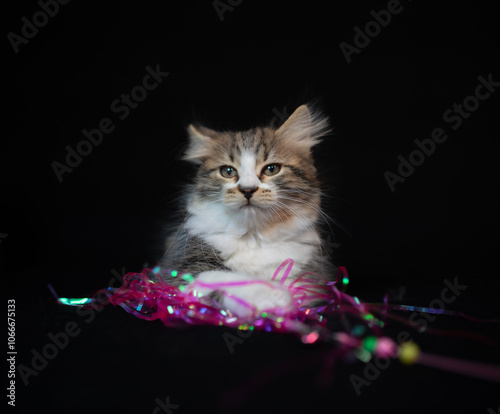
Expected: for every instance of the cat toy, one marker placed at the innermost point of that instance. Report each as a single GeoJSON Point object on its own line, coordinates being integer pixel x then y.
{"type": "Point", "coordinates": [148, 295]}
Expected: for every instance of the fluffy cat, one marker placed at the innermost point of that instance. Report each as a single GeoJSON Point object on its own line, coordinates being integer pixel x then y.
{"type": "Point", "coordinates": [255, 202]}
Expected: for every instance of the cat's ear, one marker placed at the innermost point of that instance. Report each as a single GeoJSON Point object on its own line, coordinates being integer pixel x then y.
{"type": "Point", "coordinates": [199, 144]}
{"type": "Point", "coordinates": [304, 127]}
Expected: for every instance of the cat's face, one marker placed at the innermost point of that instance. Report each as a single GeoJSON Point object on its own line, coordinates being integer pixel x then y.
{"type": "Point", "coordinates": [262, 173]}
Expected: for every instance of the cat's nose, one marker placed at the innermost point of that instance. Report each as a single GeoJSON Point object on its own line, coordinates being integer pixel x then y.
{"type": "Point", "coordinates": [248, 191]}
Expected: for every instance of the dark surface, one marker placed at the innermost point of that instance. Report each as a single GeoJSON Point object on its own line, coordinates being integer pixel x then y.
{"type": "Point", "coordinates": [111, 212]}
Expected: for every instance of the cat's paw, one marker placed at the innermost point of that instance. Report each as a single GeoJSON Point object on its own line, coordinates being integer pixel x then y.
{"type": "Point", "coordinates": [258, 298]}
{"type": "Point", "coordinates": [243, 295]}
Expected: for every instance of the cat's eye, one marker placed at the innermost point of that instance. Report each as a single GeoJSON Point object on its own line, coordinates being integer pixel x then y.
{"type": "Point", "coordinates": [271, 169]}
{"type": "Point", "coordinates": [228, 172]}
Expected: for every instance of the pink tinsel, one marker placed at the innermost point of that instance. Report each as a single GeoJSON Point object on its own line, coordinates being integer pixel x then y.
{"type": "Point", "coordinates": [149, 296]}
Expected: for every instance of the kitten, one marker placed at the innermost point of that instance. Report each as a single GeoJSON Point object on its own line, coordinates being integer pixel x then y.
{"type": "Point", "coordinates": [254, 203]}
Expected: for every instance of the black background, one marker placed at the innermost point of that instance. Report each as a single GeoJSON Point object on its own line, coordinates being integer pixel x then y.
{"type": "Point", "coordinates": [110, 213]}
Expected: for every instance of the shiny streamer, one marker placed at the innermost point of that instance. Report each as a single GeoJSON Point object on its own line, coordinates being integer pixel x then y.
{"type": "Point", "coordinates": [148, 296]}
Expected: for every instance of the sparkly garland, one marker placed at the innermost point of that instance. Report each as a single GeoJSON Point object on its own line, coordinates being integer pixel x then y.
{"type": "Point", "coordinates": [148, 296]}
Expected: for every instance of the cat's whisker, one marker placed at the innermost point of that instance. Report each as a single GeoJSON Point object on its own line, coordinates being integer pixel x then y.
{"type": "Point", "coordinates": [311, 227]}
{"type": "Point", "coordinates": [276, 213]}
{"type": "Point", "coordinates": [298, 214]}
{"type": "Point", "coordinates": [323, 215]}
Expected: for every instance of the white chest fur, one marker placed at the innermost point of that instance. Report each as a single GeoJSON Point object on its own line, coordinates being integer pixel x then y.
{"type": "Point", "coordinates": [249, 250]}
